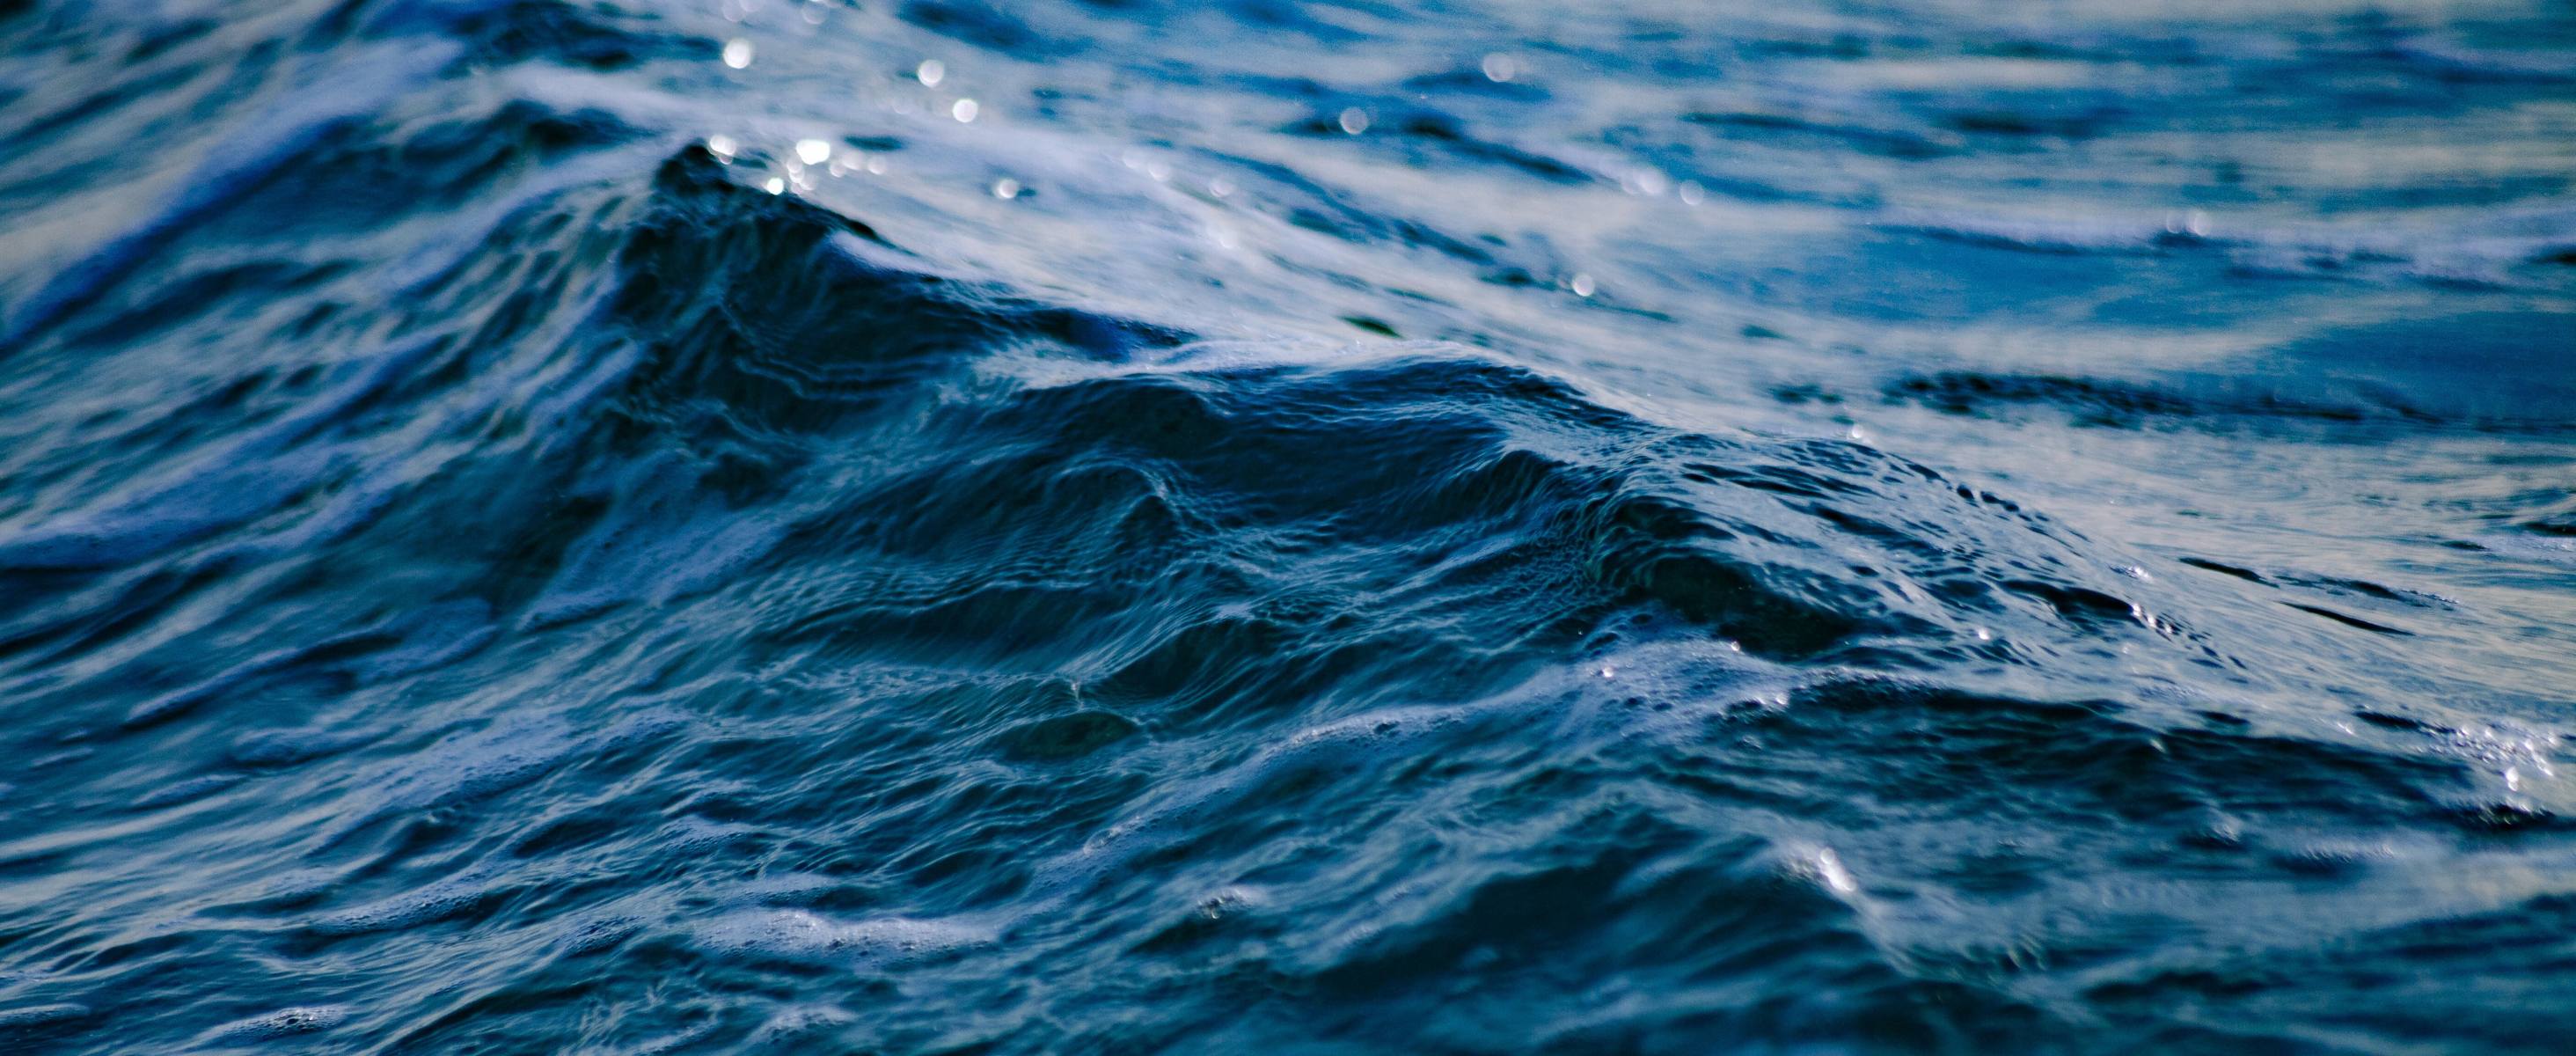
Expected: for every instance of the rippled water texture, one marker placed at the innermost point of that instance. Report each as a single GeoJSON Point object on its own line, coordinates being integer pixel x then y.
{"type": "Point", "coordinates": [1132, 526]}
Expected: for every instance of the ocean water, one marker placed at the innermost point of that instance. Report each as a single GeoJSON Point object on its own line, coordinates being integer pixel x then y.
{"type": "Point", "coordinates": [1284, 526]}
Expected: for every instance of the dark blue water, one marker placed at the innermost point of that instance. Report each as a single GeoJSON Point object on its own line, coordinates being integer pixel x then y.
{"type": "Point", "coordinates": [1141, 526]}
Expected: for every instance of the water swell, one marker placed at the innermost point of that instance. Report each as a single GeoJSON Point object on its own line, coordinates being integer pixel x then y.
{"type": "Point", "coordinates": [763, 422]}
{"type": "Point", "coordinates": [493, 563]}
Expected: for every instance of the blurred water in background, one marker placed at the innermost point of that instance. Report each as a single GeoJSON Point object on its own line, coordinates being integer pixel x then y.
{"type": "Point", "coordinates": [1138, 526]}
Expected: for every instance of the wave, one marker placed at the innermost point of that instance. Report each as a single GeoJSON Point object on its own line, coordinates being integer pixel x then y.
{"type": "Point", "coordinates": [493, 562]}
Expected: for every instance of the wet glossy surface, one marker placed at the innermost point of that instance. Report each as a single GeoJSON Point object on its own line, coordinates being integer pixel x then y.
{"type": "Point", "coordinates": [1286, 527]}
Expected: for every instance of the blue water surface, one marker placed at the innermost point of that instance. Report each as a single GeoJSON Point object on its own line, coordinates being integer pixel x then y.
{"type": "Point", "coordinates": [1287, 526]}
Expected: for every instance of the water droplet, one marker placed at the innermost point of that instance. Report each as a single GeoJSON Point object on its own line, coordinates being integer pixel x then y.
{"type": "Point", "coordinates": [1582, 285]}
{"type": "Point", "coordinates": [1500, 67]}
{"type": "Point", "coordinates": [930, 72]}
{"type": "Point", "coordinates": [813, 151]}
{"type": "Point", "coordinates": [1355, 121]}
{"type": "Point", "coordinates": [1006, 188]}
{"type": "Point", "coordinates": [775, 185]}
{"type": "Point", "coordinates": [1692, 193]}
{"type": "Point", "coordinates": [723, 147]}
{"type": "Point", "coordinates": [737, 53]}
{"type": "Point", "coordinates": [964, 110]}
